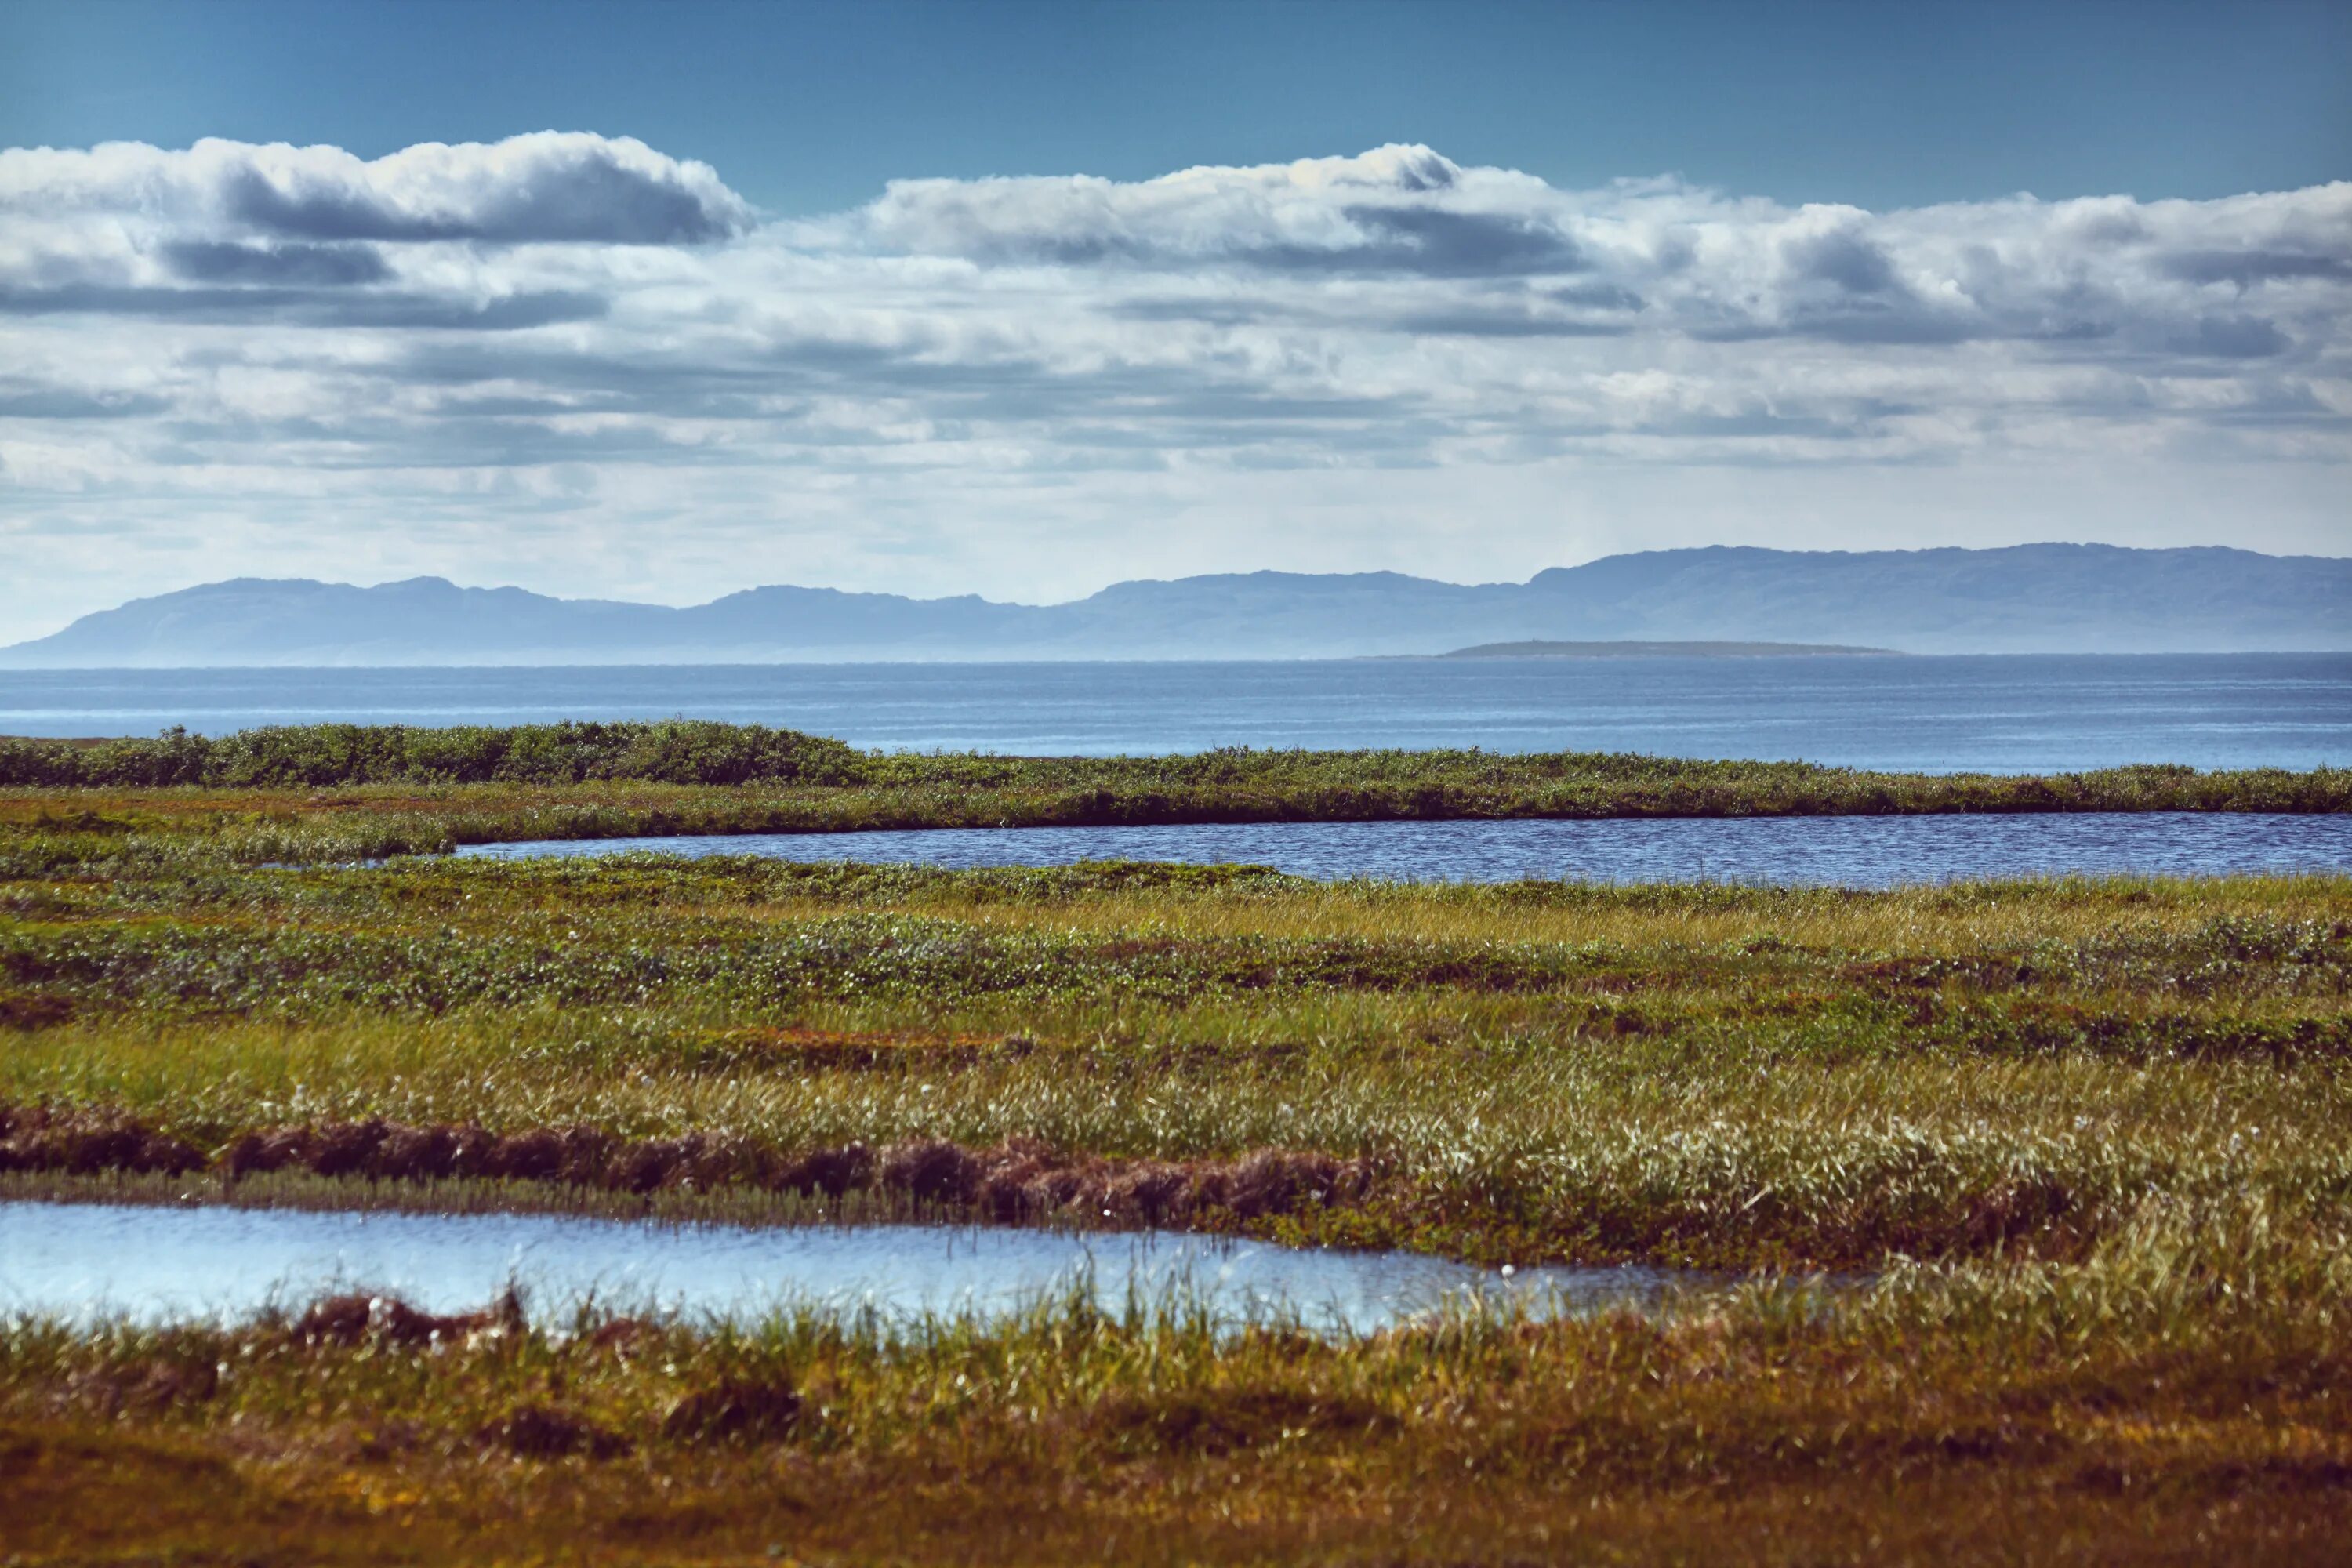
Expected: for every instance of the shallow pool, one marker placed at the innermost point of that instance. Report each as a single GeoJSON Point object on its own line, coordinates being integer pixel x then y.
{"type": "Point", "coordinates": [85, 1262]}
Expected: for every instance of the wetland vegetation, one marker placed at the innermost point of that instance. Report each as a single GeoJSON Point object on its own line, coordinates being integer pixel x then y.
{"type": "Point", "coordinates": [2092, 1139]}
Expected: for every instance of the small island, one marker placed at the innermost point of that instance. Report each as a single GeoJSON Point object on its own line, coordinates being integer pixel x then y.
{"type": "Point", "coordinates": [1539, 649]}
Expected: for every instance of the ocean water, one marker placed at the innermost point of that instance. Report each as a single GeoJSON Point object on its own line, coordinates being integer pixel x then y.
{"type": "Point", "coordinates": [1829, 851]}
{"type": "Point", "coordinates": [2004, 713]}
{"type": "Point", "coordinates": [82, 1262]}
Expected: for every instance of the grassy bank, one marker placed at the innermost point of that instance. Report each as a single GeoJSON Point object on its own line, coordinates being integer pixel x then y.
{"type": "Point", "coordinates": [2094, 1137]}
{"type": "Point", "coordinates": [2141, 1407]}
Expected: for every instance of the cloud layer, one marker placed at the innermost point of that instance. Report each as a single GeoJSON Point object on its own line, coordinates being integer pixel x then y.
{"type": "Point", "coordinates": [576, 349]}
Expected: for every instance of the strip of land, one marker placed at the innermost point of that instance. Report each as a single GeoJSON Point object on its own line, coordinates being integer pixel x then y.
{"type": "Point", "coordinates": [332, 791]}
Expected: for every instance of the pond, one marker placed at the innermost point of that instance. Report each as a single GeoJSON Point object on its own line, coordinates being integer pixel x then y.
{"type": "Point", "coordinates": [1837, 851]}
{"type": "Point", "coordinates": [85, 1262]}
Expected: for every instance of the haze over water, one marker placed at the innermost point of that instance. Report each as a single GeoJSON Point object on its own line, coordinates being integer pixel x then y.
{"type": "Point", "coordinates": [2002, 713]}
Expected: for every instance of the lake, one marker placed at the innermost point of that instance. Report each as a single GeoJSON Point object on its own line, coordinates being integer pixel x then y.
{"type": "Point", "coordinates": [1841, 851]}
{"type": "Point", "coordinates": [2000, 713]}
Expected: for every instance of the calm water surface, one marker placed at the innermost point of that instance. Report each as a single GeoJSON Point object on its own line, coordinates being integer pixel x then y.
{"type": "Point", "coordinates": [1999, 713]}
{"type": "Point", "coordinates": [1844, 851]}
{"type": "Point", "coordinates": [88, 1262]}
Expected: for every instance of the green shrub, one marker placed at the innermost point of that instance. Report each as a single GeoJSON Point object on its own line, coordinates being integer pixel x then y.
{"type": "Point", "coordinates": [677, 751]}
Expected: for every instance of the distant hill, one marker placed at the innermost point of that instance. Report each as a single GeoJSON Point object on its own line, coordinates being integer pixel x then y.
{"type": "Point", "coordinates": [2027, 599]}
{"type": "Point", "coordinates": [1537, 649]}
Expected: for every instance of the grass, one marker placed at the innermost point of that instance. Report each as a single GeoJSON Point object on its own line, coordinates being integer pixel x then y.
{"type": "Point", "coordinates": [2126, 1409]}
{"type": "Point", "coordinates": [2093, 1139]}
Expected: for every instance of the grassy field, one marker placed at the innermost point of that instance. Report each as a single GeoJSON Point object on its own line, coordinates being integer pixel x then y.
{"type": "Point", "coordinates": [2092, 1140]}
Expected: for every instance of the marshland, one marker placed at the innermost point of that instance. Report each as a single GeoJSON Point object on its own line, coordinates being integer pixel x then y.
{"type": "Point", "coordinates": [2078, 1149]}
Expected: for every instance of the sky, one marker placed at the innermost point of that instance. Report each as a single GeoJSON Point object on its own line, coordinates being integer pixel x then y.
{"type": "Point", "coordinates": [661, 301]}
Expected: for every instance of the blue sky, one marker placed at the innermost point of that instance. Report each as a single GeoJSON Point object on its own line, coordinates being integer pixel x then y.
{"type": "Point", "coordinates": [1022, 300]}
{"type": "Point", "coordinates": [810, 108]}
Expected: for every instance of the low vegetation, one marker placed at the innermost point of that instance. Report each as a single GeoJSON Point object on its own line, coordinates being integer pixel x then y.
{"type": "Point", "coordinates": [2087, 1144]}
{"type": "Point", "coordinates": [2180, 1399]}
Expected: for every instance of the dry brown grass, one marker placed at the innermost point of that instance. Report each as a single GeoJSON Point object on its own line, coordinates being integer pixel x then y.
{"type": "Point", "coordinates": [1854, 1435]}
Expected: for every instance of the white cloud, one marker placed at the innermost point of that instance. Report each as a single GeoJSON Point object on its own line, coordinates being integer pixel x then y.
{"type": "Point", "coordinates": [578, 362]}
{"type": "Point", "coordinates": [551, 186]}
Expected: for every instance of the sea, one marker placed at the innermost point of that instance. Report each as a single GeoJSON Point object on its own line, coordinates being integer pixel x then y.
{"type": "Point", "coordinates": [1994, 713]}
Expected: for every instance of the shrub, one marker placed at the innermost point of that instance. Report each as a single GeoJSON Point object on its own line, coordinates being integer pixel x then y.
{"type": "Point", "coordinates": [675, 750]}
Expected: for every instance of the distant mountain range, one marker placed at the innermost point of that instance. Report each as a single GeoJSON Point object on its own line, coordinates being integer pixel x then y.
{"type": "Point", "coordinates": [2026, 598]}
